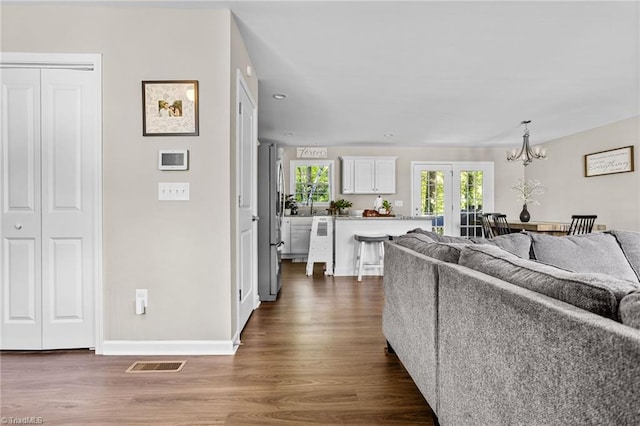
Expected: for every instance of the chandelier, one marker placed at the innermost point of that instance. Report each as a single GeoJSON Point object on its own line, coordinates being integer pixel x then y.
{"type": "Point", "coordinates": [526, 154]}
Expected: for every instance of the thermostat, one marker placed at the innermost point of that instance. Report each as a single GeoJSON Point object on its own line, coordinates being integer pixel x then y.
{"type": "Point", "coordinates": [173, 159]}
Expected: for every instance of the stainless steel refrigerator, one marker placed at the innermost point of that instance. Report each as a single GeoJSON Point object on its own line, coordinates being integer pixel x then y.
{"type": "Point", "coordinates": [270, 211]}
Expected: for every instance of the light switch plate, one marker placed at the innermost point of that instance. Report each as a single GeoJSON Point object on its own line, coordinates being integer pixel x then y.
{"type": "Point", "coordinates": [173, 191]}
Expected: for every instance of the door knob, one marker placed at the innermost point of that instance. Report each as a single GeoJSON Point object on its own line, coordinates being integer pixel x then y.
{"type": "Point", "coordinates": [18, 226]}
{"type": "Point", "coordinates": [255, 218]}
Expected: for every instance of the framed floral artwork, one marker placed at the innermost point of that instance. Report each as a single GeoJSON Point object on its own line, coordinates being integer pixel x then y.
{"type": "Point", "coordinates": [170, 108]}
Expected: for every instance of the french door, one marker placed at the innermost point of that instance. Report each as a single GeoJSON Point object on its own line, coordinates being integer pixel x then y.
{"type": "Point", "coordinates": [50, 171]}
{"type": "Point", "coordinates": [456, 194]}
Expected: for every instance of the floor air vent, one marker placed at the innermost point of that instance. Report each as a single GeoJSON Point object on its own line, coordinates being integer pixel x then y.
{"type": "Point", "coordinates": [156, 367]}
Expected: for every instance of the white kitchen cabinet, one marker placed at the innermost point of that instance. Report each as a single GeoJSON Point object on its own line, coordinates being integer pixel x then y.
{"type": "Point", "coordinates": [285, 235]}
{"type": "Point", "coordinates": [298, 233]}
{"type": "Point", "coordinates": [368, 175]}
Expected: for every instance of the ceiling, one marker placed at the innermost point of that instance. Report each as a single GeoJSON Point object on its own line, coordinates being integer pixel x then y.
{"type": "Point", "coordinates": [425, 73]}
{"type": "Point", "coordinates": [437, 73]}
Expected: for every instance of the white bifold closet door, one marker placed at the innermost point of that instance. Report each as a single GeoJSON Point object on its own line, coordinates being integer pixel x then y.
{"type": "Point", "coordinates": [47, 186]}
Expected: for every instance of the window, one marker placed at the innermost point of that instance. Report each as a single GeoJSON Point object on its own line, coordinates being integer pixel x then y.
{"type": "Point", "coordinates": [311, 181]}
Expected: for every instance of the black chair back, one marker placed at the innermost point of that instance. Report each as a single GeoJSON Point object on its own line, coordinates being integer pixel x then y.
{"type": "Point", "coordinates": [581, 224]}
{"type": "Point", "coordinates": [501, 225]}
{"type": "Point", "coordinates": [487, 230]}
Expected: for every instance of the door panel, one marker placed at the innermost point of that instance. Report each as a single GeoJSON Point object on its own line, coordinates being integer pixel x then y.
{"type": "Point", "coordinates": [247, 206]}
{"type": "Point", "coordinates": [245, 269]}
{"type": "Point", "coordinates": [432, 195]}
{"type": "Point", "coordinates": [68, 151]}
{"type": "Point", "coordinates": [20, 310]}
{"type": "Point", "coordinates": [20, 295]}
{"type": "Point", "coordinates": [66, 280]}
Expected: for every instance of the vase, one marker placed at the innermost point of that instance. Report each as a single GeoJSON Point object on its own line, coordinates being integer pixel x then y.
{"type": "Point", "coordinates": [524, 214]}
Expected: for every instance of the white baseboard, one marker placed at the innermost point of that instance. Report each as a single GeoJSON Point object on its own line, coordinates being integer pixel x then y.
{"type": "Point", "coordinates": [168, 347]}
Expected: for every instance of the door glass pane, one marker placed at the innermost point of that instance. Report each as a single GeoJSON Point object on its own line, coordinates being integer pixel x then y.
{"type": "Point", "coordinates": [432, 197]}
{"type": "Point", "coordinates": [471, 202]}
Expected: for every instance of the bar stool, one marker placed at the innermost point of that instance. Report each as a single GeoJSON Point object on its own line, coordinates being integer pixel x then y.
{"type": "Point", "coordinates": [364, 240]}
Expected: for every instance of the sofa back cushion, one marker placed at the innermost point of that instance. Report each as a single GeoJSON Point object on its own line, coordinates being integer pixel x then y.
{"type": "Point", "coordinates": [516, 243]}
{"type": "Point", "coordinates": [597, 293]}
{"type": "Point", "coordinates": [629, 241]}
{"type": "Point", "coordinates": [441, 238]}
{"type": "Point", "coordinates": [630, 310]}
{"type": "Point", "coordinates": [447, 252]}
{"type": "Point", "coordinates": [597, 252]}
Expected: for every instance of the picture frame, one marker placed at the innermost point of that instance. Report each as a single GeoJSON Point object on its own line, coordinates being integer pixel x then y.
{"type": "Point", "coordinates": [170, 108]}
{"type": "Point", "coordinates": [612, 161]}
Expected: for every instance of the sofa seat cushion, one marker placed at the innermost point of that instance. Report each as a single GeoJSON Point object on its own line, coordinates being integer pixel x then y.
{"type": "Point", "coordinates": [630, 310]}
{"type": "Point", "coordinates": [597, 293]}
{"type": "Point", "coordinates": [629, 241]}
{"type": "Point", "coordinates": [447, 252]}
{"type": "Point", "coordinates": [597, 253]}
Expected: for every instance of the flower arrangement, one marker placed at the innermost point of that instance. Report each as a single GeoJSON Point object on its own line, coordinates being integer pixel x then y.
{"type": "Point", "coordinates": [528, 189]}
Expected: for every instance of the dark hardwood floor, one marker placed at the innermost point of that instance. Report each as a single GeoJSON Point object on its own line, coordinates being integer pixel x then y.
{"type": "Point", "coordinates": [317, 355]}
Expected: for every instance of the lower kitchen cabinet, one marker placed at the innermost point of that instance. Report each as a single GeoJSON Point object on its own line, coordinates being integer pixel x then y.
{"type": "Point", "coordinates": [296, 232]}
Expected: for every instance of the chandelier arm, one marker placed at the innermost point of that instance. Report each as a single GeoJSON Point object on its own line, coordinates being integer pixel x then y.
{"type": "Point", "coordinates": [526, 153]}
{"type": "Point", "coordinates": [514, 157]}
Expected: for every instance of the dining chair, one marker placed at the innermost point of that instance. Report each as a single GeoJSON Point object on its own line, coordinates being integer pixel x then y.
{"type": "Point", "coordinates": [487, 230]}
{"type": "Point", "coordinates": [581, 224]}
{"type": "Point", "coordinates": [501, 225]}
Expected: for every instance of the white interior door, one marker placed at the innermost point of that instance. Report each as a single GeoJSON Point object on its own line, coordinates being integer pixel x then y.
{"type": "Point", "coordinates": [50, 172]}
{"type": "Point", "coordinates": [21, 211]}
{"type": "Point", "coordinates": [247, 165]}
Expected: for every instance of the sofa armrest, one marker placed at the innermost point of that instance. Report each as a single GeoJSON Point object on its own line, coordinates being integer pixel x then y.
{"type": "Point", "coordinates": [510, 356]}
{"type": "Point", "coordinates": [409, 316]}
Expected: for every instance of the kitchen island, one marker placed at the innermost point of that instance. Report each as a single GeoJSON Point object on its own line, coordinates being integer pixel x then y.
{"type": "Point", "coordinates": [346, 248]}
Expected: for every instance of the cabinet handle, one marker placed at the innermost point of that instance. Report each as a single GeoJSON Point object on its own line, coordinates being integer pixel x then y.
{"type": "Point", "coordinates": [17, 226]}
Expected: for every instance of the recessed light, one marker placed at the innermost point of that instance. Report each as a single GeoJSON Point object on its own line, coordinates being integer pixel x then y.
{"type": "Point", "coordinates": [288, 134]}
{"type": "Point", "coordinates": [388, 135]}
{"type": "Point", "coordinates": [279, 96]}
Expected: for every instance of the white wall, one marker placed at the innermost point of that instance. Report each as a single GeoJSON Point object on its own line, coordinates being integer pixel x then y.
{"type": "Point", "coordinates": [181, 251]}
{"type": "Point", "coordinates": [505, 173]}
{"type": "Point", "coordinates": [614, 198]}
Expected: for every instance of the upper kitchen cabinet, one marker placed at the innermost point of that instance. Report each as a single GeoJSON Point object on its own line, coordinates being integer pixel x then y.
{"type": "Point", "coordinates": [368, 175]}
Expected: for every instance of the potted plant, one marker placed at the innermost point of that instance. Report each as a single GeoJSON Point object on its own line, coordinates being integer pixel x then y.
{"type": "Point", "coordinates": [386, 207]}
{"type": "Point", "coordinates": [290, 205]}
{"type": "Point", "coordinates": [341, 205]}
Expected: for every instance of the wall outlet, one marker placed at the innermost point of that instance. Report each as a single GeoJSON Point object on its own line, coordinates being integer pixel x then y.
{"type": "Point", "coordinates": [142, 301]}
{"type": "Point", "coordinates": [398, 203]}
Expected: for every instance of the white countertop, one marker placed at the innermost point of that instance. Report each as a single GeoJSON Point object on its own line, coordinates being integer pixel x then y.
{"type": "Point", "coordinates": [399, 217]}
{"type": "Point", "coordinates": [385, 218]}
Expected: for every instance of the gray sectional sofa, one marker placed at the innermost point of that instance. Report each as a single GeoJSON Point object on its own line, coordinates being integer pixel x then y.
{"type": "Point", "coordinates": [523, 329]}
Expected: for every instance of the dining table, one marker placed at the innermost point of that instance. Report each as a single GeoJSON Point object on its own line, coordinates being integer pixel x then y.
{"type": "Point", "coordinates": [551, 228]}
